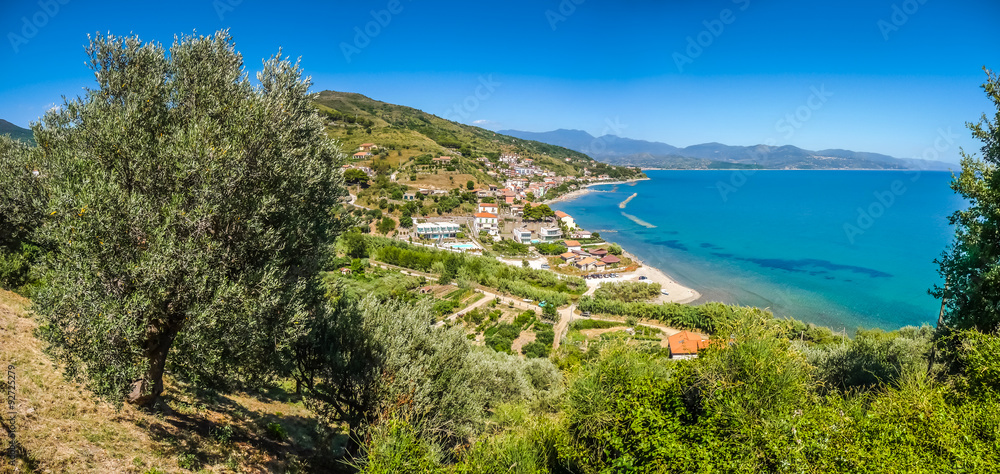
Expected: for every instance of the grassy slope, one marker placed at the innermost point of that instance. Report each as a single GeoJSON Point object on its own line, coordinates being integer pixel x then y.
{"type": "Point", "coordinates": [409, 132]}
{"type": "Point", "coordinates": [62, 428]}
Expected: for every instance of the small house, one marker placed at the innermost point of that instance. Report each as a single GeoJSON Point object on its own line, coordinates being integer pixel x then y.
{"type": "Point", "coordinates": [488, 207]}
{"type": "Point", "coordinates": [685, 345]}
{"type": "Point", "coordinates": [572, 245]}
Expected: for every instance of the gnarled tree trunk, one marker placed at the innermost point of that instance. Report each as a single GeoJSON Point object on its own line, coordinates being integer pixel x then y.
{"type": "Point", "coordinates": [146, 391]}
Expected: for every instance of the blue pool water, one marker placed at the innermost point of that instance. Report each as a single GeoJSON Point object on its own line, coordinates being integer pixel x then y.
{"type": "Point", "coordinates": [838, 248]}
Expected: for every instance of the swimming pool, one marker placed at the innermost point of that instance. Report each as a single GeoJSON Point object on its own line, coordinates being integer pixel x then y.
{"type": "Point", "coordinates": [463, 246]}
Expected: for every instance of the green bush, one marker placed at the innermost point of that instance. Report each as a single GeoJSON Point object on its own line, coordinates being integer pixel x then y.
{"type": "Point", "coordinates": [628, 291]}
{"type": "Point", "coordinates": [276, 432]}
{"type": "Point", "coordinates": [707, 317]}
{"type": "Point", "coordinates": [872, 358]}
{"type": "Point", "coordinates": [536, 349]}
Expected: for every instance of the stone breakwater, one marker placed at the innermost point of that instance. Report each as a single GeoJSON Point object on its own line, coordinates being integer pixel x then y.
{"type": "Point", "coordinates": [626, 201]}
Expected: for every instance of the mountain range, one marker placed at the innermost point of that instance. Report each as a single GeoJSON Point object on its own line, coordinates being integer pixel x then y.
{"type": "Point", "coordinates": [17, 133]}
{"type": "Point", "coordinates": [621, 151]}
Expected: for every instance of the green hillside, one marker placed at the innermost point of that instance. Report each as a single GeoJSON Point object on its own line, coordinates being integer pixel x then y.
{"type": "Point", "coordinates": [15, 132]}
{"type": "Point", "coordinates": [403, 134]}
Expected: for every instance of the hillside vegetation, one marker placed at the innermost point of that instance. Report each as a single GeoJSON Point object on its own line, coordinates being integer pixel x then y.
{"type": "Point", "coordinates": [208, 311]}
{"type": "Point", "coordinates": [403, 133]}
{"type": "Point", "coordinates": [17, 133]}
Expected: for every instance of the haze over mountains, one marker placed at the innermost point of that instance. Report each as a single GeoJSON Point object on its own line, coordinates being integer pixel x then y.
{"type": "Point", "coordinates": [630, 152]}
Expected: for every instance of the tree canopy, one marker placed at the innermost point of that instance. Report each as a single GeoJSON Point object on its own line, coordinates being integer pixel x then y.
{"type": "Point", "coordinates": [971, 266]}
{"type": "Point", "coordinates": [189, 211]}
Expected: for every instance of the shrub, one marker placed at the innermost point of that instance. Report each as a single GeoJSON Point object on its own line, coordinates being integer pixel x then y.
{"type": "Point", "coordinates": [628, 291]}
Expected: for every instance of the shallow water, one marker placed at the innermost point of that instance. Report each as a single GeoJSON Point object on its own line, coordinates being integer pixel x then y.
{"type": "Point", "coordinates": [838, 248]}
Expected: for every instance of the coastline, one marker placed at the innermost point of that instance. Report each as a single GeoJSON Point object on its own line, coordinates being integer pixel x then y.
{"type": "Point", "coordinates": [586, 190]}
{"type": "Point", "coordinates": [676, 292]}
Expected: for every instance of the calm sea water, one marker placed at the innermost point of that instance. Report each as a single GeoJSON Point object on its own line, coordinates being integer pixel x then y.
{"type": "Point", "coordinates": [839, 248]}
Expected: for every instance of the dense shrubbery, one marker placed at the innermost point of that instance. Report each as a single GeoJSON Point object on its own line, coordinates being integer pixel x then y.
{"type": "Point", "coordinates": [550, 249]}
{"type": "Point", "coordinates": [872, 358]}
{"type": "Point", "coordinates": [628, 291]}
{"type": "Point", "coordinates": [510, 248]}
{"type": "Point", "coordinates": [538, 285]}
{"type": "Point", "coordinates": [706, 317]}
{"type": "Point", "coordinates": [440, 381]}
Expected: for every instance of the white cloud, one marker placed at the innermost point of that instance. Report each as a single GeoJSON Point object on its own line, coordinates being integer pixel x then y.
{"type": "Point", "coordinates": [485, 123]}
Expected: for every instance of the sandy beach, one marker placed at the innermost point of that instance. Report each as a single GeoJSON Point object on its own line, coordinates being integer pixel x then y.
{"type": "Point", "coordinates": [677, 293]}
{"type": "Point", "coordinates": [586, 190]}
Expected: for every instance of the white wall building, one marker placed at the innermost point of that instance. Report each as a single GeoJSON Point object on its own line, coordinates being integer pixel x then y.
{"type": "Point", "coordinates": [488, 222]}
{"type": "Point", "coordinates": [522, 236]}
{"type": "Point", "coordinates": [437, 230]}
{"type": "Point", "coordinates": [549, 234]}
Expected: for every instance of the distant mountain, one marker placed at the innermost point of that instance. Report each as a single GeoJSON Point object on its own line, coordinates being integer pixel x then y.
{"type": "Point", "coordinates": [607, 145]}
{"type": "Point", "coordinates": [17, 133]}
{"type": "Point", "coordinates": [628, 152]}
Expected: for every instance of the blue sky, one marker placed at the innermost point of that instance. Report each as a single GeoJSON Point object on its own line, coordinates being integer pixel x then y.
{"type": "Point", "coordinates": [891, 75]}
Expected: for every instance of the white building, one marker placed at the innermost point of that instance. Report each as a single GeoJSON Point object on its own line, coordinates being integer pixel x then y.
{"type": "Point", "coordinates": [488, 207]}
{"type": "Point", "coordinates": [488, 222]}
{"type": "Point", "coordinates": [566, 219]}
{"type": "Point", "coordinates": [549, 234]}
{"type": "Point", "coordinates": [437, 230]}
{"type": "Point", "coordinates": [522, 236]}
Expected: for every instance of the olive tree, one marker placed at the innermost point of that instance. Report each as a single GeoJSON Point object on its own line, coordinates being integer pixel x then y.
{"type": "Point", "coordinates": [970, 267]}
{"type": "Point", "coordinates": [190, 211]}
{"type": "Point", "coordinates": [21, 209]}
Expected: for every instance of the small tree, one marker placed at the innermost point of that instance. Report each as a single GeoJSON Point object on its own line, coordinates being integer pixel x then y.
{"type": "Point", "coordinates": [191, 211]}
{"type": "Point", "coordinates": [355, 176]}
{"type": "Point", "coordinates": [470, 184]}
{"type": "Point", "coordinates": [615, 249]}
{"type": "Point", "coordinates": [386, 225]}
{"type": "Point", "coordinates": [971, 267]}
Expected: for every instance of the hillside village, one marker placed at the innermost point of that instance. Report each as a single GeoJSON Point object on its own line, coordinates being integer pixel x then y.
{"type": "Point", "coordinates": [492, 213]}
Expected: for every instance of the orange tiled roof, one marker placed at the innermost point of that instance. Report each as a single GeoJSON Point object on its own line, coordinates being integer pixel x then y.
{"type": "Point", "coordinates": [686, 342]}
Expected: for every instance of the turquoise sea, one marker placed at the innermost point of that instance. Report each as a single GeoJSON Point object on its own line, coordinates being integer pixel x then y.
{"type": "Point", "coordinates": [838, 248]}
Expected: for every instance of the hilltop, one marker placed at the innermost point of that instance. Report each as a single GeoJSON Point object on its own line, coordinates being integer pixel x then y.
{"type": "Point", "coordinates": [629, 152]}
